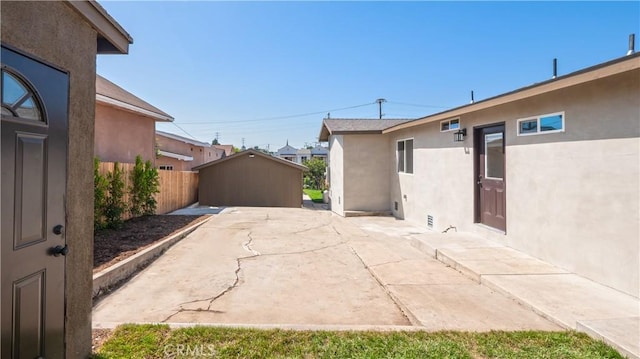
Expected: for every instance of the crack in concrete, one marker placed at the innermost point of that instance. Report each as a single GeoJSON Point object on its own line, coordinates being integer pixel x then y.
{"type": "Point", "coordinates": [247, 246]}
{"type": "Point", "coordinates": [391, 262]}
{"type": "Point", "coordinates": [310, 229]}
{"type": "Point", "coordinates": [384, 288]}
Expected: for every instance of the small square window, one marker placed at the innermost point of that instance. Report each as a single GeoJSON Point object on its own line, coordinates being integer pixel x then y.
{"type": "Point", "coordinates": [450, 125]}
{"type": "Point", "coordinates": [530, 126]}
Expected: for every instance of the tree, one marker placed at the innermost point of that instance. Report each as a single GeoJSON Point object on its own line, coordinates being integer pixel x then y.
{"type": "Point", "coordinates": [316, 174]}
{"type": "Point", "coordinates": [137, 188]}
{"type": "Point", "coordinates": [152, 186]}
{"type": "Point", "coordinates": [215, 142]}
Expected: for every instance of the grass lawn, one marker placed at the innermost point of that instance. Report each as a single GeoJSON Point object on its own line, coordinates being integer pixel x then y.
{"type": "Point", "coordinates": [315, 194]}
{"type": "Point", "coordinates": [159, 341]}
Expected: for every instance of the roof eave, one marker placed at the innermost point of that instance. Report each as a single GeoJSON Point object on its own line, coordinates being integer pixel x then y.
{"type": "Point", "coordinates": [132, 108]}
{"type": "Point", "coordinates": [254, 152]}
{"type": "Point", "coordinates": [112, 37]}
{"type": "Point", "coordinates": [610, 68]}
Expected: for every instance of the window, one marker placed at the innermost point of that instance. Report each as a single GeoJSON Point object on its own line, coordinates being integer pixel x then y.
{"type": "Point", "coordinates": [494, 156]}
{"type": "Point", "coordinates": [166, 167]}
{"type": "Point", "coordinates": [550, 123]}
{"type": "Point", "coordinates": [18, 100]}
{"type": "Point", "coordinates": [450, 125]}
{"type": "Point", "coordinates": [405, 156]}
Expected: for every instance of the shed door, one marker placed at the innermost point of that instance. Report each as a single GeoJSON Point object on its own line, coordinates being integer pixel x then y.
{"type": "Point", "coordinates": [490, 174]}
{"type": "Point", "coordinates": [34, 156]}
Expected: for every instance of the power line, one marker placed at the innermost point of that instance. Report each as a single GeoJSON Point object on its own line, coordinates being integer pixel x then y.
{"type": "Point", "coordinates": [282, 117]}
{"type": "Point", "coordinates": [183, 130]}
{"type": "Point", "coordinates": [416, 105]}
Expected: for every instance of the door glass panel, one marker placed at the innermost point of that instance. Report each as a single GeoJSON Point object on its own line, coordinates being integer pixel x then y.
{"type": "Point", "coordinates": [12, 90]}
{"type": "Point", "coordinates": [17, 99]}
{"type": "Point", "coordinates": [494, 156]}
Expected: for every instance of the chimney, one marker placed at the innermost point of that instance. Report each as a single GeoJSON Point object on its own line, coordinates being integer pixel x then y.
{"type": "Point", "coordinates": [555, 68]}
{"type": "Point", "coordinates": [632, 44]}
{"type": "Point", "coordinates": [472, 99]}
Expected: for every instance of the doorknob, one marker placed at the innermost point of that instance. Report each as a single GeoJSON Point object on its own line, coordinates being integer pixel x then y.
{"type": "Point", "coordinates": [59, 250]}
{"type": "Point", "coordinates": [58, 229]}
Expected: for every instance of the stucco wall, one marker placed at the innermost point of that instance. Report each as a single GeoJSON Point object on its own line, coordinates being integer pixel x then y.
{"type": "Point", "coordinates": [366, 173]}
{"type": "Point", "coordinates": [572, 197]}
{"type": "Point", "coordinates": [200, 154]}
{"type": "Point", "coordinates": [122, 135]}
{"type": "Point", "coordinates": [53, 32]}
{"type": "Point", "coordinates": [336, 174]}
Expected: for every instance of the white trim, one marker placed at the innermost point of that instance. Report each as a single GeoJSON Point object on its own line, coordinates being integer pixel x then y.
{"type": "Point", "coordinates": [130, 107]}
{"type": "Point", "coordinates": [404, 170]}
{"type": "Point", "coordinates": [449, 121]}
{"type": "Point", "coordinates": [183, 139]}
{"type": "Point", "coordinates": [538, 129]}
{"type": "Point", "coordinates": [175, 155]}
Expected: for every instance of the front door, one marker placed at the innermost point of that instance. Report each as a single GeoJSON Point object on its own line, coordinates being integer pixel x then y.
{"type": "Point", "coordinates": [490, 164]}
{"type": "Point", "coordinates": [34, 157]}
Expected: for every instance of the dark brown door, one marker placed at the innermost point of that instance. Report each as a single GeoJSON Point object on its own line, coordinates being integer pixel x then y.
{"type": "Point", "coordinates": [490, 164]}
{"type": "Point", "coordinates": [34, 154]}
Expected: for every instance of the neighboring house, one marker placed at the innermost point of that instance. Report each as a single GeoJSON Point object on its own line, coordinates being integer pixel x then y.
{"type": "Point", "coordinates": [250, 178]}
{"type": "Point", "coordinates": [551, 169]}
{"type": "Point", "coordinates": [48, 57]}
{"type": "Point", "coordinates": [288, 153]}
{"type": "Point", "coordinates": [228, 149]}
{"type": "Point", "coordinates": [179, 153]}
{"type": "Point", "coordinates": [125, 124]}
{"type": "Point", "coordinates": [299, 156]}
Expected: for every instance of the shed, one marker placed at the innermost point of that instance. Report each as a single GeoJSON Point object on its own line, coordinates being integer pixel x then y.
{"type": "Point", "coordinates": [251, 178]}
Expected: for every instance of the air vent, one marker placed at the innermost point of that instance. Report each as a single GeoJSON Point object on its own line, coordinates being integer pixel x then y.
{"type": "Point", "coordinates": [429, 221]}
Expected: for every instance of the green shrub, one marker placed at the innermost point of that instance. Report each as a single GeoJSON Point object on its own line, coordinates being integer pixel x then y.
{"type": "Point", "coordinates": [100, 186]}
{"type": "Point", "coordinates": [137, 188]}
{"type": "Point", "coordinates": [151, 187]}
{"type": "Point", "coordinates": [115, 205]}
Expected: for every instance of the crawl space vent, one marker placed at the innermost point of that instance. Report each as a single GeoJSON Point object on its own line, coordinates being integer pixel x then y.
{"type": "Point", "coordinates": [429, 221]}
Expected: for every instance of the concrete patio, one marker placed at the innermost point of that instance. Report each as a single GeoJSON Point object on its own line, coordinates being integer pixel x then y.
{"type": "Point", "coordinates": [309, 269]}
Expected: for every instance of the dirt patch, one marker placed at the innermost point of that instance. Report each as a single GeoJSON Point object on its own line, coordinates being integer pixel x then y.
{"type": "Point", "coordinates": [98, 337]}
{"type": "Point", "coordinates": [111, 246]}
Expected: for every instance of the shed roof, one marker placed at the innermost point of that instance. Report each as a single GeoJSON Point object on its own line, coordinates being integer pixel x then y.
{"type": "Point", "coordinates": [606, 69]}
{"type": "Point", "coordinates": [247, 153]}
{"type": "Point", "coordinates": [354, 126]}
{"type": "Point", "coordinates": [109, 93]}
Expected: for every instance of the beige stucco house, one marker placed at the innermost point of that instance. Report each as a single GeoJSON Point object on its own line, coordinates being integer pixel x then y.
{"type": "Point", "coordinates": [125, 124]}
{"type": "Point", "coordinates": [551, 169]}
{"type": "Point", "coordinates": [48, 91]}
{"type": "Point", "coordinates": [178, 153]}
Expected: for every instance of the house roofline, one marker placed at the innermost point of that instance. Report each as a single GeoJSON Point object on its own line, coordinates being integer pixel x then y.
{"type": "Point", "coordinates": [602, 70]}
{"type": "Point", "coordinates": [175, 155]}
{"type": "Point", "coordinates": [112, 37]}
{"type": "Point", "coordinates": [133, 108]}
{"type": "Point", "coordinates": [254, 152]}
{"type": "Point", "coordinates": [183, 139]}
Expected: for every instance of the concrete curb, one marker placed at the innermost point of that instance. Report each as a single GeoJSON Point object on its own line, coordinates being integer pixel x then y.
{"type": "Point", "coordinates": [297, 327]}
{"type": "Point", "coordinates": [126, 268]}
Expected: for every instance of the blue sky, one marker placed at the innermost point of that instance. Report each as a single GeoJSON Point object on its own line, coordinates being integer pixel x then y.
{"type": "Point", "coordinates": [269, 71]}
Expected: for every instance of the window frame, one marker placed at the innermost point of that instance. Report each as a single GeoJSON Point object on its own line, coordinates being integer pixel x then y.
{"type": "Point", "coordinates": [404, 151]}
{"type": "Point", "coordinates": [448, 121]}
{"type": "Point", "coordinates": [538, 119]}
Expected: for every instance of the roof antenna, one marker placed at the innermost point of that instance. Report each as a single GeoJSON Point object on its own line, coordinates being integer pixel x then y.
{"type": "Point", "coordinates": [555, 68]}
{"type": "Point", "coordinates": [328, 115]}
{"type": "Point", "coordinates": [632, 44]}
{"type": "Point", "coordinates": [472, 99]}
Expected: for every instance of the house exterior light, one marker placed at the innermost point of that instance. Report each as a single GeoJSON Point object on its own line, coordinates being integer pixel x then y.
{"type": "Point", "coordinates": [459, 135]}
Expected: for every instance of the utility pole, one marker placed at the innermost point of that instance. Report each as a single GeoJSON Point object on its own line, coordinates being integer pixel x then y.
{"type": "Point", "coordinates": [380, 101]}
{"type": "Point", "coordinates": [243, 148]}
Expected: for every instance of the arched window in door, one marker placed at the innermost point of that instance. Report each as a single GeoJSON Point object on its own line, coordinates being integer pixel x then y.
{"type": "Point", "coordinates": [18, 99]}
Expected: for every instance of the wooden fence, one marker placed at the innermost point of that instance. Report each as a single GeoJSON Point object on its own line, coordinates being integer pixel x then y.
{"type": "Point", "coordinates": [178, 189]}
